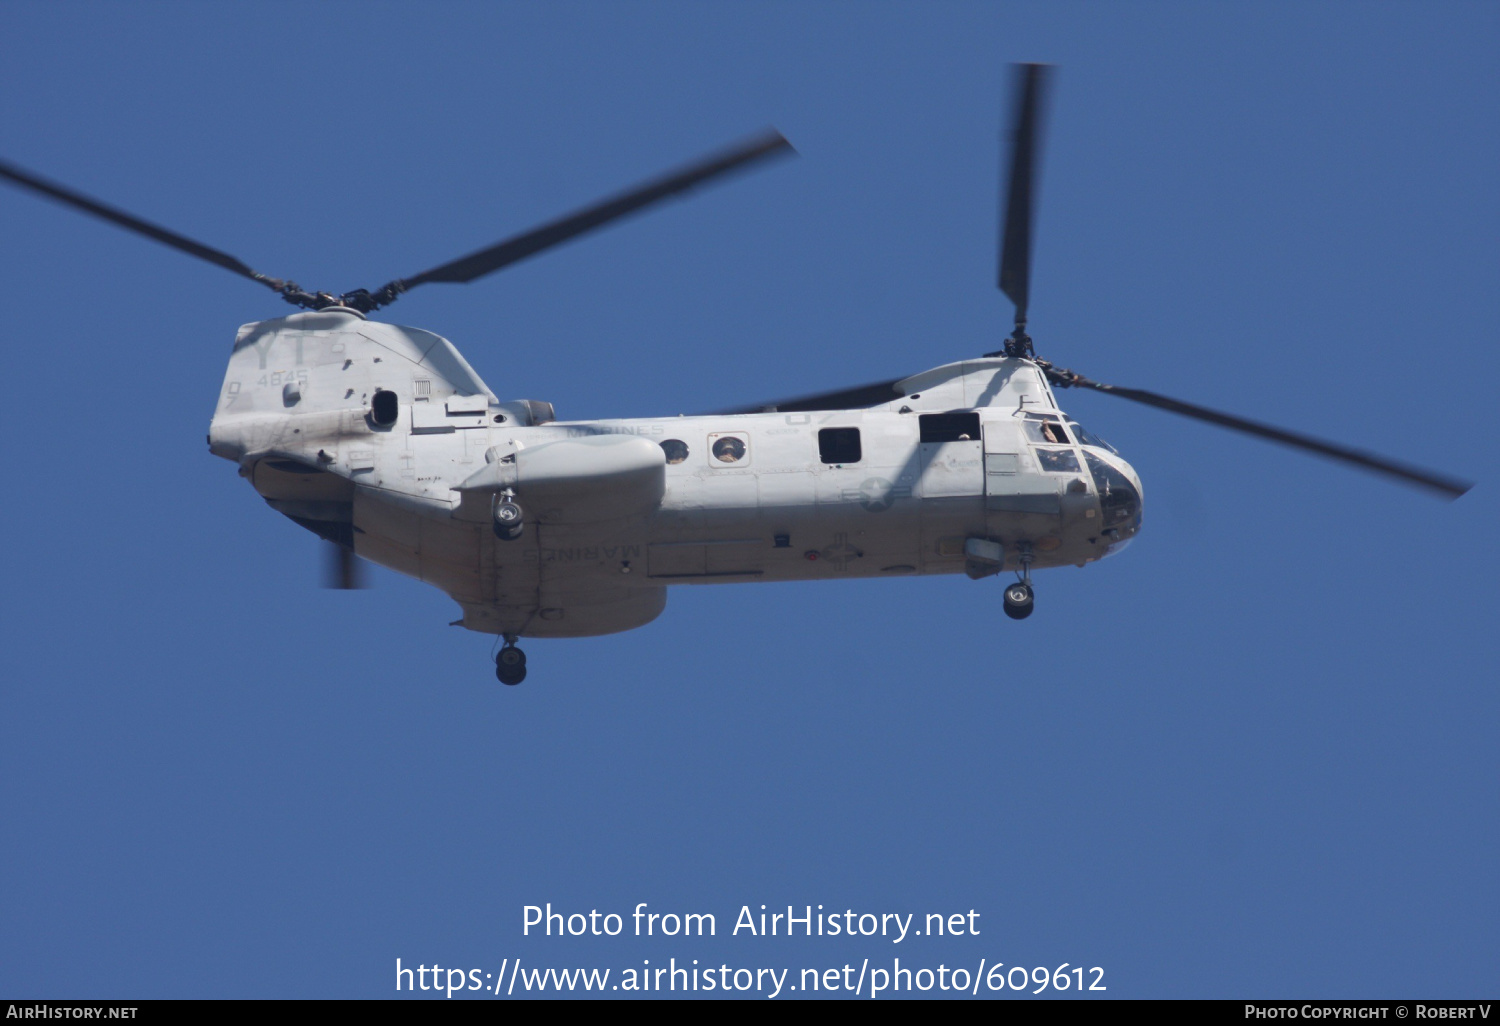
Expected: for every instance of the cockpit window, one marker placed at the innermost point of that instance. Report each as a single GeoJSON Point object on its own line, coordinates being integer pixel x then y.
{"type": "Point", "coordinates": [1049, 432]}
{"type": "Point", "coordinates": [1057, 459]}
{"type": "Point", "coordinates": [1119, 502]}
{"type": "Point", "coordinates": [1087, 437]}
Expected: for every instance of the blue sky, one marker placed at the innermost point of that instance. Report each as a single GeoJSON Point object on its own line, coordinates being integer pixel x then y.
{"type": "Point", "coordinates": [1253, 755]}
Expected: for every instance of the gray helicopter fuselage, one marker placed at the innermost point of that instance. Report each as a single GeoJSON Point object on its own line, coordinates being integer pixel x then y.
{"type": "Point", "coordinates": [971, 470]}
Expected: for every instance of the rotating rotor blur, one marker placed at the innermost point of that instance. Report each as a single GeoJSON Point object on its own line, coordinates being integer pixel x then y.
{"type": "Point", "coordinates": [465, 269]}
{"type": "Point", "coordinates": [343, 569]}
{"type": "Point", "coordinates": [1018, 206]}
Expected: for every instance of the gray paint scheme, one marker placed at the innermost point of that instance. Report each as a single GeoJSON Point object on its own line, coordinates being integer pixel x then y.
{"type": "Point", "coordinates": [610, 523]}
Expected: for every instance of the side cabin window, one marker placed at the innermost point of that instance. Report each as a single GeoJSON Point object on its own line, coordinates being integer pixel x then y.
{"type": "Point", "coordinates": [949, 427]}
{"type": "Point", "coordinates": [839, 445]}
{"type": "Point", "coordinates": [728, 448]}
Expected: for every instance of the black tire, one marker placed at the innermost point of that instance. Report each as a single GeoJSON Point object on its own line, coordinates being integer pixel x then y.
{"type": "Point", "coordinates": [510, 656]}
{"type": "Point", "coordinates": [510, 675]}
{"type": "Point", "coordinates": [508, 514]}
{"type": "Point", "coordinates": [1019, 601]}
{"type": "Point", "coordinates": [507, 533]}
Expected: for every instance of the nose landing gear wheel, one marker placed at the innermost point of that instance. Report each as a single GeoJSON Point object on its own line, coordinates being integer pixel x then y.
{"type": "Point", "coordinates": [1018, 601]}
{"type": "Point", "coordinates": [510, 664]}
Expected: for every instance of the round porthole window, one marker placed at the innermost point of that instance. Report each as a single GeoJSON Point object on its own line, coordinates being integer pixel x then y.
{"type": "Point", "coordinates": [676, 450]}
{"type": "Point", "coordinates": [729, 449]}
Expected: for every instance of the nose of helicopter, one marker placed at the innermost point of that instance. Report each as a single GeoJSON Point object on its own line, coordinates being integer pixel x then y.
{"type": "Point", "coordinates": [1140, 494]}
{"type": "Point", "coordinates": [1134, 478]}
{"type": "Point", "coordinates": [1119, 489]}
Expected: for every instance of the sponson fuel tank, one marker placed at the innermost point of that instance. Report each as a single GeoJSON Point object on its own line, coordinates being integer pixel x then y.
{"type": "Point", "coordinates": [576, 480]}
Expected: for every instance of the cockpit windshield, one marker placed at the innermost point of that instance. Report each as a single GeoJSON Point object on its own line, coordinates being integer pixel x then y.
{"type": "Point", "coordinates": [1087, 437]}
{"type": "Point", "coordinates": [1119, 502]}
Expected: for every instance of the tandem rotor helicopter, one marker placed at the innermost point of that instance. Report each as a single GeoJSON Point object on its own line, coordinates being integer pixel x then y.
{"type": "Point", "coordinates": [386, 443]}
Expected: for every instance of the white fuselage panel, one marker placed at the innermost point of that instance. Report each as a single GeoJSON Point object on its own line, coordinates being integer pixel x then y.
{"type": "Point", "coordinates": [764, 496]}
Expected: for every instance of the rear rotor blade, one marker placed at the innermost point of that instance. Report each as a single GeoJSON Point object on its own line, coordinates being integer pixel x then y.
{"type": "Point", "coordinates": [492, 258]}
{"type": "Point", "coordinates": [1020, 198]}
{"type": "Point", "coordinates": [130, 222]}
{"type": "Point", "coordinates": [1431, 480]}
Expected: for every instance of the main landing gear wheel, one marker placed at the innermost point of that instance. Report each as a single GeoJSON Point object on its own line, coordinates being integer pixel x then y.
{"type": "Point", "coordinates": [510, 664]}
{"type": "Point", "coordinates": [509, 520]}
{"type": "Point", "coordinates": [1018, 600]}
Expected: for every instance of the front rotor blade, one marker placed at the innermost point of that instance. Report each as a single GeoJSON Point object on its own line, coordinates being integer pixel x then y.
{"type": "Point", "coordinates": [79, 201]}
{"type": "Point", "coordinates": [485, 261]}
{"type": "Point", "coordinates": [1419, 476]}
{"type": "Point", "coordinates": [342, 570]}
{"type": "Point", "coordinates": [855, 398]}
{"type": "Point", "coordinates": [1020, 199]}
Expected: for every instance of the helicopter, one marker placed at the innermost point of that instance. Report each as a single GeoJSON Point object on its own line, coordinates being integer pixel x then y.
{"type": "Point", "coordinates": [386, 443]}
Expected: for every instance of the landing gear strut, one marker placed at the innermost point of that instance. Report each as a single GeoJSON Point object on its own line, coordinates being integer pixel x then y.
{"type": "Point", "coordinates": [510, 662]}
{"type": "Point", "coordinates": [509, 521]}
{"type": "Point", "coordinates": [1019, 598]}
